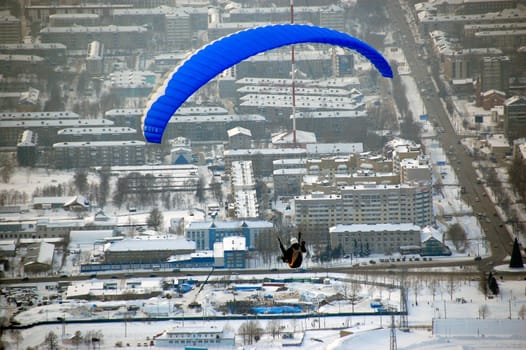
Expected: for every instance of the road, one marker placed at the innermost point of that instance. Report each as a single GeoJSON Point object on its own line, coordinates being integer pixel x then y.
{"type": "Point", "coordinates": [495, 231]}
{"type": "Point", "coordinates": [397, 268]}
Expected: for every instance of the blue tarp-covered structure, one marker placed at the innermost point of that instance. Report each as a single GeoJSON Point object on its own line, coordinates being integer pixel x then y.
{"type": "Point", "coordinates": [285, 309]}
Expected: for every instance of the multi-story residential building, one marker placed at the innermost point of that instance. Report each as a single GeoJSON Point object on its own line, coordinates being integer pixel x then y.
{"type": "Point", "coordinates": [111, 133]}
{"type": "Point", "coordinates": [365, 239]}
{"type": "Point", "coordinates": [262, 159]}
{"type": "Point", "coordinates": [26, 149]}
{"type": "Point", "coordinates": [70, 155]}
{"type": "Point", "coordinates": [515, 117]}
{"type": "Point", "coordinates": [53, 53]}
{"type": "Point", "coordinates": [335, 126]}
{"type": "Point", "coordinates": [332, 98]}
{"type": "Point", "coordinates": [329, 16]}
{"type": "Point", "coordinates": [455, 23]}
{"type": "Point", "coordinates": [13, 65]}
{"type": "Point", "coordinates": [466, 7]}
{"type": "Point", "coordinates": [153, 17]}
{"type": "Point", "coordinates": [133, 83]}
{"type": "Point", "coordinates": [212, 127]}
{"type": "Point", "coordinates": [45, 124]}
{"type": "Point", "coordinates": [112, 37]}
{"type": "Point", "coordinates": [415, 170]}
{"type": "Point", "coordinates": [71, 19]}
{"type": "Point", "coordinates": [95, 58]}
{"type": "Point", "coordinates": [176, 26]}
{"type": "Point", "coordinates": [41, 12]}
{"type": "Point", "coordinates": [495, 73]}
{"type": "Point", "coordinates": [288, 182]}
{"type": "Point", "coordinates": [257, 233]}
{"type": "Point", "coordinates": [333, 17]}
{"type": "Point", "coordinates": [218, 30]}
{"type": "Point", "coordinates": [10, 30]}
{"type": "Point", "coordinates": [364, 204]}
{"type": "Point", "coordinates": [179, 30]}
{"type": "Point", "coordinates": [244, 190]}
{"type": "Point", "coordinates": [239, 137]}
{"type": "Point", "coordinates": [519, 154]}
{"type": "Point", "coordinates": [459, 61]}
{"type": "Point", "coordinates": [507, 38]}
{"type": "Point", "coordinates": [315, 213]}
{"type": "Point", "coordinates": [132, 117]}
{"type": "Point", "coordinates": [394, 204]}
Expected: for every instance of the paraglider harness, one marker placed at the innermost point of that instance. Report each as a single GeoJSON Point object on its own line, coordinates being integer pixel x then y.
{"type": "Point", "coordinates": [293, 255]}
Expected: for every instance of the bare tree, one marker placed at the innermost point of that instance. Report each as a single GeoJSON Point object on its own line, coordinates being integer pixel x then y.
{"type": "Point", "coordinates": [80, 179]}
{"type": "Point", "coordinates": [416, 285]}
{"type": "Point", "coordinates": [433, 286]}
{"type": "Point", "coordinates": [51, 341]}
{"type": "Point", "coordinates": [452, 285]}
{"type": "Point", "coordinates": [7, 167]}
{"type": "Point", "coordinates": [274, 328]}
{"type": "Point", "coordinates": [17, 336]}
{"type": "Point", "coordinates": [104, 186]}
{"type": "Point", "coordinates": [266, 247]}
{"type": "Point", "coordinates": [355, 288]}
{"type": "Point", "coordinates": [77, 339]}
{"type": "Point", "coordinates": [93, 338]}
{"type": "Point", "coordinates": [250, 331]}
{"type": "Point", "coordinates": [483, 311]}
{"type": "Point", "coordinates": [155, 219]}
{"type": "Point", "coordinates": [200, 190]}
{"type": "Point", "coordinates": [217, 189]}
{"type": "Point", "coordinates": [458, 236]}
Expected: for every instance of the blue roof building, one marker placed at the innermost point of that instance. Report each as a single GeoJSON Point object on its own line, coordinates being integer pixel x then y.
{"type": "Point", "coordinates": [206, 233]}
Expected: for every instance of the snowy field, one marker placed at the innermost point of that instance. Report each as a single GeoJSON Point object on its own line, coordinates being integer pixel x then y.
{"type": "Point", "coordinates": [435, 306]}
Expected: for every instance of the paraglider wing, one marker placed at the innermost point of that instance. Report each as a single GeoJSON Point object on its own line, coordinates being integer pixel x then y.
{"type": "Point", "coordinates": [227, 51]}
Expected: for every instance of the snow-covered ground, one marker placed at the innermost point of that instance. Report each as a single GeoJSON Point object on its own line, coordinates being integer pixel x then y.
{"type": "Point", "coordinates": [434, 303]}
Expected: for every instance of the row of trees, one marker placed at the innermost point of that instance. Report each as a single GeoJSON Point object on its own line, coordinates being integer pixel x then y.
{"type": "Point", "coordinates": [91, 340]}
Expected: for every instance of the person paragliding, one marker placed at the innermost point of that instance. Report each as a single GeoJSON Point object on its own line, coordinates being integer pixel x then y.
{"type": "Point", "coordinates": [293, 255]}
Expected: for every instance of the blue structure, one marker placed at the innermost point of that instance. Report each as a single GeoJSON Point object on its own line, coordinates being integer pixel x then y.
{"type": "Point", "coordinates": [206, 233]}
{"type": "Point", "coordinates": [225, 52]}
{"type": "Point", "coordinates": [286, 309]}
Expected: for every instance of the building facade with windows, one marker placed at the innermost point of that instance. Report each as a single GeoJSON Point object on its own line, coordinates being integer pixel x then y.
{"type": "Point", "coordinates": [365, 239]}
{"type": "Point", "coordinates": [10, 30]}
{"type": "Point", "coordinates": [206, 233]}
{"type": "Point", "coordinates": [515, 117]}
{"type": "Point", "coordinates": [68, 155]}
{"type": "Point", "coordinates": [364, 204]}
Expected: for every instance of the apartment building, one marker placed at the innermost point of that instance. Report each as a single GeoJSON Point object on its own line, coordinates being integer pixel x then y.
{"type": "Point", "coordinates": [315, 213]}
{"type": "Point", "coordinates": [112, 37]}
{"type": "Point", "coordinates": [365, 239]}
{"type": "Point", "coordinates": [10, 30]}
{"type": "Point", "coordinates": [372, 204]}
{"type": "Point", "coordinates": [495, 73]}
{"type": "Point", "coordinates": [515, 117]}
{"type": "Point", "coordinates": [70, 155]}
{"type": "Point", "coordinates": [364, 204]}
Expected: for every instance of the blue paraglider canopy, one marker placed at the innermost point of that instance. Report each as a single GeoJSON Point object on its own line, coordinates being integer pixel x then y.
{"type": "Point", "coordinates": [225, 52]}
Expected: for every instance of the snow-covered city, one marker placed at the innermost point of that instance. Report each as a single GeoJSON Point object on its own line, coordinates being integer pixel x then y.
{"type": "Point", "coordinates": [168, 181]}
